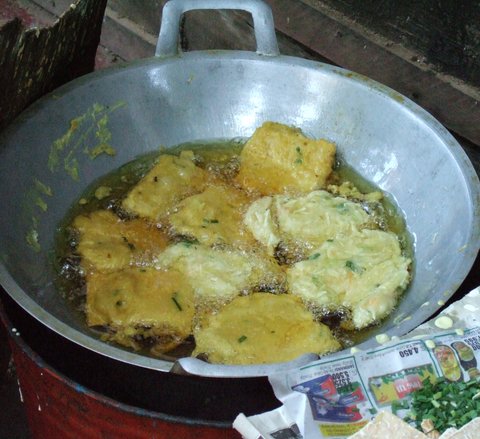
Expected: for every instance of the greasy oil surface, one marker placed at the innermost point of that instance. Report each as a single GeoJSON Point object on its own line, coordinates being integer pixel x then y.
{"type": "Point", "coordinates": [222, 159]}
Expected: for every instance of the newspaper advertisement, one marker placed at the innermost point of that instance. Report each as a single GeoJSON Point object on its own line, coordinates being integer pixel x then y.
{"type": "Point", "coordinates": [336, 396]}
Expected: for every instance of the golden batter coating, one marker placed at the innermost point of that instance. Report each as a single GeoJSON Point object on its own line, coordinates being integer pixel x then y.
{"type": "Point", "coordinates": [141, 306]}
{"type": "Point", "coordinates": [219, 275]}
{"type": "Point", "coordinates": [168, 182]}
{"type": "Point", "coordinates": [280, 159]}
{"type": "Point", "coordinates": [363, 272]}
{"type": "Point", "coordinates": [308, 220]}
{"type": "Point", "coordinates": [106, 243]}
{"type": "Point", "coordinates": [262, 328]}
{"type": "Point", "coordinates": [214, 217]}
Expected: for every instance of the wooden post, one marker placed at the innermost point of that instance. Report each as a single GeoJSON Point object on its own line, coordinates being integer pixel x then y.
{"type": "Point", "coordinates": [34, 61]}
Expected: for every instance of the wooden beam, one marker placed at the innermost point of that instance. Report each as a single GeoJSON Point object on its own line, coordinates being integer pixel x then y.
{"type": "Point", "coordinates": [325, 31]}
{"type": "Point", "coordinates": [232, 30]}
{"type": "Point", "coordinates": [446, 32]}
{"type": "Point", "coordinates": [126, 38]}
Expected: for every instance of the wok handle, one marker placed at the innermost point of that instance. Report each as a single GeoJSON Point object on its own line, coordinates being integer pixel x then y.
{"type": "Point", "coordinates": [194, 366]}
{"type": "Point", "coordinates": [173, 10]}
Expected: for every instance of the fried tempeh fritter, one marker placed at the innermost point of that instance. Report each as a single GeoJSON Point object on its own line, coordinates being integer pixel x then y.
{"type": "Point", "coordinates": [363, 272]}
{"type": "Point", "coordinates": [214, 217]}
{"type": "Point", "coordinates": [307, 220]}
{"type": "Point", "coordinates": [219, 275]}
{"type": "Point", "coordinates": [168, 182]}
{"type": "Point", "coordinates": [141, 307]}
{"type": "Point", "coordinates": [106, 243]}
{"type": "Point", "coordinates": [280, 159]}
{"type": "Point", "coordinates": [262, 328]}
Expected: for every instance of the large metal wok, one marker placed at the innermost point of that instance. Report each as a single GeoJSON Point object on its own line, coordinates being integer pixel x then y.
{"type": "Point", "coordinates": [46, 161]}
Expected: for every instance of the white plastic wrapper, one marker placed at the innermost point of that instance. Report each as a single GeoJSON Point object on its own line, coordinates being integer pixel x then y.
{"type": "Point", "coordinates": [337, 396]}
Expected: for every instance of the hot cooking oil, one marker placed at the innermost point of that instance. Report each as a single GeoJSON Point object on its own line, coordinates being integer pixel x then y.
{"type": "Point", "coordinates": [220, 159]}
